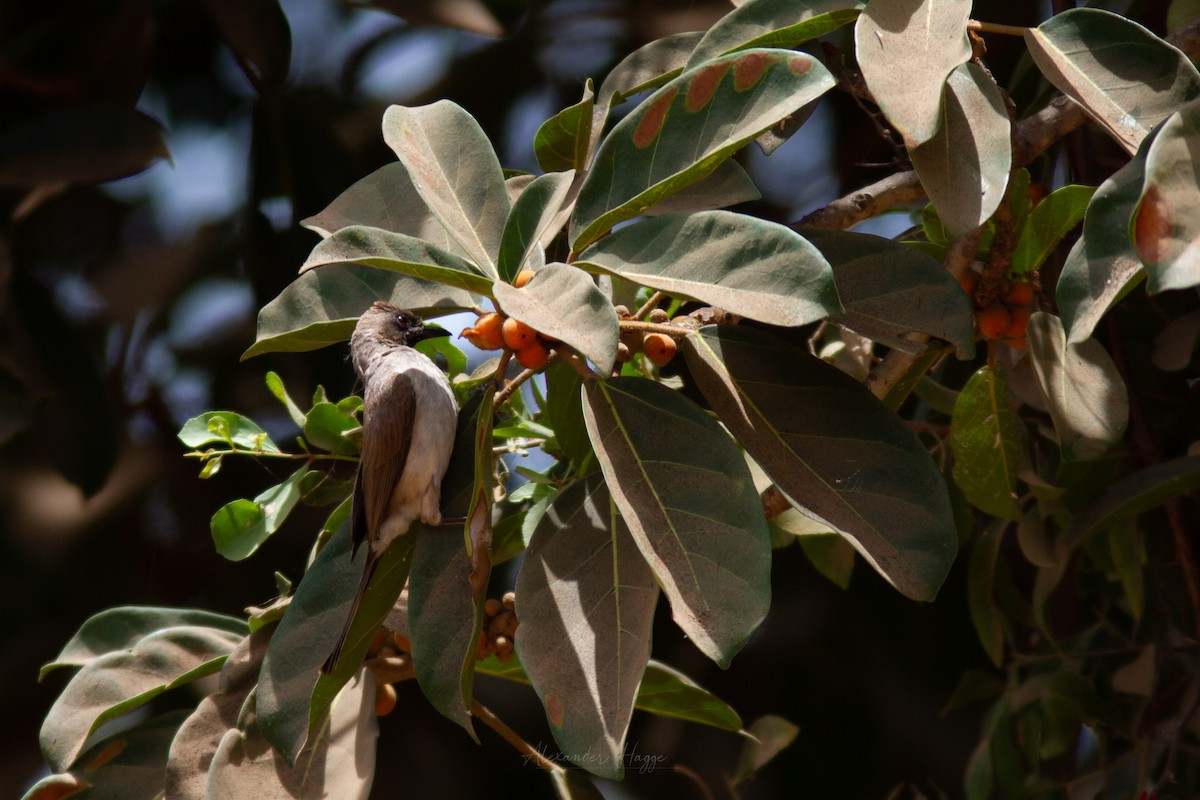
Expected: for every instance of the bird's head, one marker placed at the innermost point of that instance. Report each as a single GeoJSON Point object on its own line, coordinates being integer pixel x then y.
{"type": "Point", "coordinates": [392, 324]}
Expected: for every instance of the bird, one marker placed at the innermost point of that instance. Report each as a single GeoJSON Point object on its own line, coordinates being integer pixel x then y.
{"type": "Point", "coordinates": [409, 422]}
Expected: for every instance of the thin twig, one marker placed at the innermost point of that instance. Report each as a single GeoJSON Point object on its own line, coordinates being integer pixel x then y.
{"type": "Point", "coordinates": [512, 737]}
{"type": "Point", "coordinates": [649, 305]}
{"type": "Point", "coordinates": [654, 327]}
{"type": "Point", "coordinates": [995, 27]}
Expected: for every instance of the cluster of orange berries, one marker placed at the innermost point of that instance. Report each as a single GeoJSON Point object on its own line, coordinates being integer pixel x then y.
{"type": "Point", "coordinates": [660, 348]}
{"type": "Point", "coordinates": [499, 628]}
{"type": "Point", "coordinates": [1007, 318]}
{"type": "Point", "coordinates": [493, 331]}
{"type": "Point", "coordinates": [389, 658]}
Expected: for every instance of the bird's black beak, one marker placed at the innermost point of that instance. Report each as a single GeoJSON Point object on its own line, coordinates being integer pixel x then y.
{"type": "Point", "coordinates": [428, 332]}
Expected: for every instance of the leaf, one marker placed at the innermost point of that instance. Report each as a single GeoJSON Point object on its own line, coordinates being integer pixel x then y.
{"type": "Point", "coordinates": [1083, 390]}
{"type": "Point", "coordinates": [747, 266]}
{"type": "Point", "coordinates": [257, 32]}
{"type": "Point", "coordinates": [1176, 343]}
{"type": "Point", "coordinates": [117, 682]}
{"type": "Point", "coordinates": [562, 142]}
{"type": "Point", "coordinates": [453, 168]}
{"type": "Point", "coordinates": [891, 291]}
{"type": "Point", "coordinates": [833, 449]}
{"type": "Point", "coordinates": [650, 66]}
{"type": "Point", "coordinates": [293, 697]}
{"type": "Point", "coordinates": [321, 306]}
{"type": "Point", "coordinates": [529, 222]}
{"type": "Point", "coordinates": [1165, 229]}
{"type": "Point", "coordinates": [388, 200]}
{"type": "Point", "coordinates": [964, 165]}
{"type": "Point", "coordinates": [443, 622]}
{"type": "Point", "coordinates": [228, 427]}
{"type": "Point", "coordinates": [1126, 547]}
{"type": "Point", "coordinates": [380, 249]}
{"type": "Point", "coordinates": [1136, 493]}
{"type": "Point", "coordinates": [686, 494]}
{"type": "Point", "coordinates": [727, 185]}
{"type": "Point", "coordinates": [275, 387]}
{"type": "Point", "coordinates": [239, 528]}
{"type": "Point", "coordinates": [831, 555]}
{"type": "Point", "coordinates": [586, 600]}
{"type": "Point", "coordinates": [906, 49]}
{"type": "Point", "coordinates": [338, 762]}
{"type": "Point", "coordinates": [564, 413]}
{"type": "Point", "coordinates": [79, 143]}
{"type": "Point", "coordinates": [981, 573]}
{"type": "Point", "coordinates": [680, 134]}
{"type": "Point", "coordinates": [561, 302]}
{"type": "Point", "coordinates": [121, 628]}
{"type": "Point", "coordinates": [767, 737]}
{"type": "Point", "coordinates": [664, 692]}
{"type": "Point", "coordinates": [985, 437]}
{"type": "Point", "coordinates": [325, 427]}
{"type": "Point", "coordinates": [1126, 78]}
{"type": "Point", "coordinates": [1047, 224]}
{"type": "Point", "coordinates": [1103, 264]}
{"type": "Point", "coordinates": [773, 23]}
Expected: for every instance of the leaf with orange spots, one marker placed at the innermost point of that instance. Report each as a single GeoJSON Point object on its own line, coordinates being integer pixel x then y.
{"type": "Point", "coordinates": [682, 132]}
{"type": "Point", "coordinates": [1165, 228]}
{"type": "Point", "coordinates": [586, 600]}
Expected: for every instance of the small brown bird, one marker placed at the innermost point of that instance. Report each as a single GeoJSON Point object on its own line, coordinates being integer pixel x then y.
{"type": "Point", "coordinates": [409, 418]}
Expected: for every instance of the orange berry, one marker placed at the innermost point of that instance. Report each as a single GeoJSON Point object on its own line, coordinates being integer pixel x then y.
{"type": "Point", "coordinates": [487, 333]}
{"type": "Point", "coordinates": [1020, 321]}
{"type": "Point", "coordinates": [968, 281]}
{"type": "Point", "coordinates": [659, 348]}
{"type": "Point", "coordinates": [533, 355]}
{"type": "Point", "coordinates": [385, 700]}
{"type": "Point", "coordinates": [1020, 293]}
{"type": "Point", "coordinates": [522, 278]}
{"type": "Point", "coordinates": [517, 334]}
{"type": "Point", "coordinates": [994, 322]}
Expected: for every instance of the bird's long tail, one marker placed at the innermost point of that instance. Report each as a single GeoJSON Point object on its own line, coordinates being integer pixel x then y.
{"type": "Point", "coordinates": [368, 571]}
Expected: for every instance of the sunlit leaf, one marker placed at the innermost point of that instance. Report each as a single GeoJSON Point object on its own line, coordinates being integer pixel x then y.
{"type": "Point", "coordinates": [748, 266]}
{"type": "Point", "coordinates": [561, 143]}
{"type": "Point", "coordinates": [563, 303]}
{"type": "Point", "coordinates": [773, 23]}
{"type": "Point", "coordinates": [1082, 388]}
{"type": "Point", "coordinates": [833, 449]}
{"type": "Point", "coordinates": [239, 528]}
{"type": "Point", "coordinates": [985, 436]}
{"type": "Point", "coordinates": [227, 427]}
{"type": "Point", "coordinates": [586, 599]}
{"type": "Point", "coordinates": [727, 185]}
{"type": "Point", "coordinates": [906, 49]}
{"type": "Point", "coordinates": [964, 165]}
{"type": "Point", "coordinates": [891, 291]}
{"type": "Point", "coordinates": [682, 132]}
{"type": "Point", "coordinates": [686, 494]}
{"type": "Point", "coordinates": [454, 169]}
{"type": "Point", "coordinates": [325, 427]}
{"type": "Point", "coordinates": [1047, 224]}
{"type": "Point", "coordinates": [1126, 78]}
{"type": "Point", "coordinates": [530, 220]}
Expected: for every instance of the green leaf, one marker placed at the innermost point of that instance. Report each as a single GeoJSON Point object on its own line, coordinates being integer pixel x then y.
{"type": "Point", "coordinates": [773, 23]}
{"type": "Point", "coordinates": [116, 682]}
{"type": "Point", "coordinates": [388, 200]}
{"type": "Point", "coordinates": [228, 427]}
{"type": "Point", "coordinates": [985, 437]}
{"type": "Point", "coordinates": [833, 449]}
{"type": "Point", "coordinates": [443, 623]}
{"type": "Point", "coordinates": [373, 247]}
{"type": "Point", "coordinates": [1103, 264]}
{"type": "Point", "coordinates": [748, 266]}
{"type": "Point", "coordinates": [1165, 228]}
{"type": "Point", "coordinates": [1127, 549]}
{"type": "Point", "coordinates": [325, 427]}
{"type": "Point", "coordinates": [906, 49]}
{"type": "Point", "coordinates": [564, 413]}
{"type": "Point", "coordinates": [964, 165]}
{"type": "Point", "coordinates": [562, 142]}
{"type": "Point", "coordinates": [454, 169]}
{"type": "Point", "coordinates": [1082, 388]}
{"type": "Point", "coordinates": [1047, 224]}
{"type": "Point", "coordinates": [562, 302]}
{"type": "Point", "coordinates": [1126, 78]}
{"type": "Point", "coordinates": [239, 528]}
{"type": "Point", "coordinates": [586, 600]}
{"type": "Point", "coordinates": [686, 494]}
{"type": "Point", "coordinates": [981, 573]}
{"type": "Point", "coordinates": [831, 555]}
{"type": "Point", "coordinates": [321, 307]}
{"type": "Point", "coordinates": [1138, 492]}
{"type": "Point", "coordinates": [293, 696]}
{"type": "Point", "coordinates": [891, 291]}
{"type": "Point", "coordinates": [121, 628]}
{"type": "Point", "coordinates": [767, 737]}
{"type": "Point", "coordinates": [727, 185]}
{"type": "Point", "coordinates": [530, 220]}
{"type": "Point", "coordinates": [680, 134]}
{"type": "Point", "coordinates": [650, 66]}
{"type": "Point", "coordinates": [275, 386]}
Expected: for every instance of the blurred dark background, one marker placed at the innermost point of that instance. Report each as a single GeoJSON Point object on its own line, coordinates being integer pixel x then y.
{"type": "Point", "coordinates": [129, 285]}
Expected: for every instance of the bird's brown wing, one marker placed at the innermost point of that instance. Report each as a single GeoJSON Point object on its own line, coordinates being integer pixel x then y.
{"type": "Point", "coordinates": [387, 432]}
